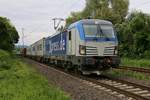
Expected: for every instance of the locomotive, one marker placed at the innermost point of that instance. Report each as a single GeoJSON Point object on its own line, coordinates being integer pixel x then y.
{"type": "Point", "coordinates": [88, 45]}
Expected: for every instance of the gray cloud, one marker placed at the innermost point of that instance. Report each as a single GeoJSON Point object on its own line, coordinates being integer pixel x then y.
{"type": "Point", "coordinates": [35, 15]}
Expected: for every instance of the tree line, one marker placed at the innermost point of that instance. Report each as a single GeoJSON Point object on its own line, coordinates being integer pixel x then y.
{"type": "Point", "coordinates": [132, 29]}
{"type": "Point", "coordinates": [134, 36]}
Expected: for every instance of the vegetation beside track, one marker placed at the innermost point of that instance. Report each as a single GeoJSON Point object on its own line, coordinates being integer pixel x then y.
{"type": "Point", "coordinates": [20, 82]}
{"type": "Point", "coordinates": [137, 63]}
{"type": "Point", "coordinates": [132, 74]}
{"type": "Point", "coordinates": [143, 63]}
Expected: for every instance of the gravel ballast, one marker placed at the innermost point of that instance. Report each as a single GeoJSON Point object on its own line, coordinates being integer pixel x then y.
{"type": "Point", "coordinates": [75, 87]}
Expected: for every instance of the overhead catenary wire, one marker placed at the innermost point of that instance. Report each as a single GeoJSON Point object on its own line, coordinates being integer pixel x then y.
{"type": "Point", "coordinates": [60, 19]}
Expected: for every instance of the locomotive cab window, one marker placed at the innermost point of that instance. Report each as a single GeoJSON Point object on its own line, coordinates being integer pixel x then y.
{"type": "Point", "coordinates": [90, 29]}
{"type": "Point", "coordinates": [98, 30]}
{"type": "Point", "coordinates": [108, 31]}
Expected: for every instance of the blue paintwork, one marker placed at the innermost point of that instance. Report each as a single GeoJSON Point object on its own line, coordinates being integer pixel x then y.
{"type": "Point", "coordinates": [56, 45]}
{"type": "Point", "coordinates": [79, 26]}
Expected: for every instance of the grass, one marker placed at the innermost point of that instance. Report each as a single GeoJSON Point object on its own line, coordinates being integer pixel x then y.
{"type": "Point", "coordinates": [141, 63]}
{"type": "Point", "coordinates": [144, 63]}
{"type": "Point", "coordinates": [135, 75]}
{"type": "Point", "coordinates": [19, 82]}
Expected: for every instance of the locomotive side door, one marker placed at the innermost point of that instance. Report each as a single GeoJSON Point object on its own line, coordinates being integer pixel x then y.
{"type": "Point", "coordinates": [71, 41]}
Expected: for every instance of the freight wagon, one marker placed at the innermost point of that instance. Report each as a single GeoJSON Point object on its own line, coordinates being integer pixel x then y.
{"type": "Point", "coordinates": [36, 50]}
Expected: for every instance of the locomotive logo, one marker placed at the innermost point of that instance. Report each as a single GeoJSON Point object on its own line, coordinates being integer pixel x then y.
{"type": "Point", "coordinates": [57, 45]}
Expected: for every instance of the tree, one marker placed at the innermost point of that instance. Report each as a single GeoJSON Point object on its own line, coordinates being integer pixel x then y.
{"type": "Point", "coordinates": [112, 10]}
{"type": "Point", "coordinates": [134, 37]}
{"type": "Point", "coordinates": [120, 9]}
{"type": "Point", "coordinates": [8, 34]}
{"type": "Point", "coordinates": [74, 17]}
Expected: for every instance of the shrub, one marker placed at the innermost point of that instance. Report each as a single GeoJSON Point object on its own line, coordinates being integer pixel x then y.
{"type": "Point", "coordinates": [147, 54]}
{"type": "Point", "coordinates": [4, 60]}
{"type": "Point", "coordinates": [4, 54]}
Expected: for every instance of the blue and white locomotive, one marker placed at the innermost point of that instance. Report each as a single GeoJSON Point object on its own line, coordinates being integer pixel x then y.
{"type": "Point", "coordinates": [88, 45]}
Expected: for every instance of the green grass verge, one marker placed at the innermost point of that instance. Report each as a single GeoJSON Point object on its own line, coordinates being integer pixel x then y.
{"type": "Point", "coordinates": [19, 82]}
{"type": "Point", "coordinates": [145, 63]}
{"type": "Point", "coordinates": [135, 75]}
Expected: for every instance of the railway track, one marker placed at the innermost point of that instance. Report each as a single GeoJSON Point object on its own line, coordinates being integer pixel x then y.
{"type": "Point", "coordinates": [124, 88]}
{"type": "Point", "coordinates": [142, 70]}
{"type": "Point", "coordinates": [116, 87]}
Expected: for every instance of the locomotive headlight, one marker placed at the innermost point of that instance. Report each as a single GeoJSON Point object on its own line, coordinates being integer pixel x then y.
{"type": "Point", "coordinates": [82, 50]}
{"type": "Point", "coordinates": [116, 50]}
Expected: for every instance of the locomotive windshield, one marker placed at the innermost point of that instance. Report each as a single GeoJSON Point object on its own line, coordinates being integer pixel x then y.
{"type": "Point", "coordinates": [95, 30]}
{"type": "Point", "coordinates": [90, 30]}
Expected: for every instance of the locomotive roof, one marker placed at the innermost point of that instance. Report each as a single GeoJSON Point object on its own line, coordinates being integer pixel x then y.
{"type": "Point", "coordinates": [90, 21]}
{"type": "Point", "coordinates": [84, 21]}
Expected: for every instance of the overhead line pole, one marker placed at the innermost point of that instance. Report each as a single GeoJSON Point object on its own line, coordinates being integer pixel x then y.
{"type": "Point", "coordinates": [22, 37]}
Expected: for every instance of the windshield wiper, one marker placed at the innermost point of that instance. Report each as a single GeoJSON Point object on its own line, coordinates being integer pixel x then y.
{"type": "Point", "coordinates": [101, 31]}
{"type": "Point", "coordinates": [97, 35]}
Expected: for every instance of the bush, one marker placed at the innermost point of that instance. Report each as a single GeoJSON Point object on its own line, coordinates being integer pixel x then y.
{"type": "Point", "coordinates": [4, 60]}
{"type": "Point", "coordinates": [135, 62]}
{"type": "Point", "coordinates": [18, 81]}
{"type": "Point", "coordinates": [4, 54]}
{"type": "Point", "coordinates": [134, 37]}
{"type": "Point", "coordinates": [146, 54]}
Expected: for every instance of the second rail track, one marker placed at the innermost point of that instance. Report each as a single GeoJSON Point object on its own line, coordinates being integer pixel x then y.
{"type": "Point", "coordinates": [142, 70]}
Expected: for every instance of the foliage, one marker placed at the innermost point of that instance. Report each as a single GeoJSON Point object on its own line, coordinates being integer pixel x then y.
{"type": "Point", "coordinates": [4, 54]}
{"type": "Point", "coordinates": [8, 34]}
{"type": "Point", "coordinates": [4, 57]}
{"type": "Point", "coordinates": [134, 37]}
{"type": "Point", "coordinates": [20, 82]}
{"type": "Point", "coordinates": [112, 10]}
{"type": "Point", "coordinates": [135, 62]}
{"type": "Point", "coordinates": [135, 75]}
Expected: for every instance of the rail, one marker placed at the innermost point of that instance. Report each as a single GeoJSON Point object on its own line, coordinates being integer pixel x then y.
{"type": "Point", "coordinates": [128, 89]}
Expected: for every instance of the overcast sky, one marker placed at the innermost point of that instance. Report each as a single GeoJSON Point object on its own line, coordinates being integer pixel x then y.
{"type": "Point", "coordinates": [35, 16]}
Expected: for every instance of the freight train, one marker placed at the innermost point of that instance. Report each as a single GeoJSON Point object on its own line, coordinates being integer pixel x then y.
{"type": "Point", "coordinates": [89, 46]}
